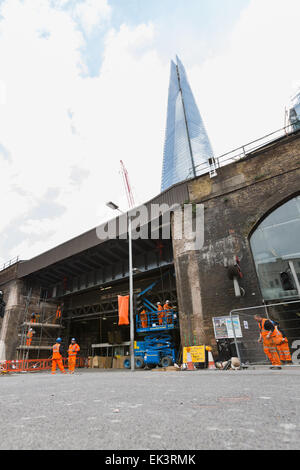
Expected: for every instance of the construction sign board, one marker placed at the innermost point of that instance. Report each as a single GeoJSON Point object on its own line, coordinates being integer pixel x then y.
{"type": "Point", "coordinates": [194, 354]}
{"type": "Point", "coordinates": [223, 327]}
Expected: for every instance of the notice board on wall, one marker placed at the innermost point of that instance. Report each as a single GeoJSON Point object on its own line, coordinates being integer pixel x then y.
{"type": "Point", "coordinates": [223, 327]}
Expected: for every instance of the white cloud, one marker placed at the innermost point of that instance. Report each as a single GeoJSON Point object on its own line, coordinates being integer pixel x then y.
{"type": "Point", "coordinates": [68, 132]}
{"type": "Point", "coordinates": [92, 12]}
{"type": "Point", "coordinates": [54, 120]}
{"type": "Point", "coordinates": [243, 91]}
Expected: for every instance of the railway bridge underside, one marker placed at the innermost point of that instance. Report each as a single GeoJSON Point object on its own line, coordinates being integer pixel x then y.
{"type": "Point", "coordinates": [86, 286]}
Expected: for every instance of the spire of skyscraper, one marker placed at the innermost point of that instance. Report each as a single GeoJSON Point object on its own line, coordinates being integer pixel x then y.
{"type": "Point", "coordinates": [187, 147]}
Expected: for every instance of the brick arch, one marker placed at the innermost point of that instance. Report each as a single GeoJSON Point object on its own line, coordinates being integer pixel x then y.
{"type": "Point", "coordinates": [265, 209]}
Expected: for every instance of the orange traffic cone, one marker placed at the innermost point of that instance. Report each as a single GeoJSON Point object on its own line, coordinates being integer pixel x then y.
{"type": "Point", "coordinates": [211, 362]}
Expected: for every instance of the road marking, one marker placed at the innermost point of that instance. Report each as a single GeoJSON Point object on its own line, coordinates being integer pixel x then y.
{"type": "Point", "coordinates": [265, 398]}
{"type": "Point", "coordinates": [288, 426]}
{"type": "Point", "coordinates": [74, 403]}
{"type": "Point", "coordinates": [234, 399]}
{"type": "Point", "coordinates": [33, 417]}
{"type": "Point", "coordinates": [211, 428]}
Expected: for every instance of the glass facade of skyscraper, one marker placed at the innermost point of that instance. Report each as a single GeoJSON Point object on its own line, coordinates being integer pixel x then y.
{"type": "Point", "coordinates": [187, 147]}
{"type": "Point", "coordinates": [294, 112]}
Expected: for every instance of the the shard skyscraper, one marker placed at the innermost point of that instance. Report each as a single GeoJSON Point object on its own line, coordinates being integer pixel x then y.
{"type": "Point", "coordinates": [187, 147]}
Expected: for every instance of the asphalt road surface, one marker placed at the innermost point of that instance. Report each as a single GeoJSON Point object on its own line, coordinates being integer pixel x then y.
{"type": "Point", "coordinates": [151, 410]}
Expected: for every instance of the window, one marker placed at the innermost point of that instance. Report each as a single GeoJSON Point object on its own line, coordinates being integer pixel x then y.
{"type": "Point", "coordinates": [276, 249]}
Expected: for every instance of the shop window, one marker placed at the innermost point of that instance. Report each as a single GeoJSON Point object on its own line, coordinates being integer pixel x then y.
{"type": "Point", "coordinates": [276, 249]}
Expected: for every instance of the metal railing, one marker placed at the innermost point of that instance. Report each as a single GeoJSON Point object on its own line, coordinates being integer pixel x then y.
{"type": "Point", "coordinates": [241, 152]}
{"type": "Point", "coordinates": [9, 263]}
{"type": "Point", "coordinates": [156, 321]}
{"type": "Point", "coordinates": [246, 331]}
{"type": "Point", "coordinates": [30, 365]}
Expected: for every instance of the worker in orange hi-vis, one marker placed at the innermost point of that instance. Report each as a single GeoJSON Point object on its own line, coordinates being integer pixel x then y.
{"type": "Point", "coordinates": [57, 357]}
{"type": "Point", "coordinates": [58, 312]}
{"type": "Point", "coordinates": [269, 336]}
{"type": "Point", "coordinates": [33, 318]}
{"type": "Point", "coordinates": [160, 313]}
{"type": "Point", "coordinates": [168, 309]}
{"type": "Point", "coordinates": [72, 352]}
{"type": "Point", "coordinates": [144, 319]}
{"type": "Point", "coordinates": [29, 337]}
{"type": "Point", "coordinates": [282, 344]}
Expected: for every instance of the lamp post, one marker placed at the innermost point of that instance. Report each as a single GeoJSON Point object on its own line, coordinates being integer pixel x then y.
{"type": "Point", "coordinates": [113, 206]}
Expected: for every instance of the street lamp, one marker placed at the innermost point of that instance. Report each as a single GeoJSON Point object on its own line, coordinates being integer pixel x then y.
{"type": "Point", "coordinates": [113, 206]}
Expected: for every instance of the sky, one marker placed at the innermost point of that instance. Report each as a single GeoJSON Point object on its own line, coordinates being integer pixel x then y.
{"type": "Point", "coordinates": [84, 84]}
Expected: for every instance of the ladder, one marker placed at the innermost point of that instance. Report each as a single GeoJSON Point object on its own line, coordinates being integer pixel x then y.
{"type": "Point", "coordinates": [24, 330]}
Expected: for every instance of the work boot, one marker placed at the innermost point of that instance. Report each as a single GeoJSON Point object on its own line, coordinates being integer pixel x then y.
{"type": "Point", "coordinates": [275, 367]}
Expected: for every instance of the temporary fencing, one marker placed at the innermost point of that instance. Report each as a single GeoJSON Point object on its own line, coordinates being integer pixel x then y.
{"type": "Point", "coordinates": [246, 331]}
{"type": "Point", "coordinates": [30, 365]}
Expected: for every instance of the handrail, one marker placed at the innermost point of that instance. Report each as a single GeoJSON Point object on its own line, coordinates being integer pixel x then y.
{"type": "Point", "coordinates": [9, 263]}
{"type": "Point", "coordinates": [242, 151]}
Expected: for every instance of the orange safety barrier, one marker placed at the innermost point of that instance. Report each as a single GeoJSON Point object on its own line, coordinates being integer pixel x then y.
{"type": "Point", "coordinates": [37, 364]}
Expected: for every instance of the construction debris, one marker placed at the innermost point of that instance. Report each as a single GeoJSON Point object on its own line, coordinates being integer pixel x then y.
{"type": "Point", "coordinates": [233, 364]}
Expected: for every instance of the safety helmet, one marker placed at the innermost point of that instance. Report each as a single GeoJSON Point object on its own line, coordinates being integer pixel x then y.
{"type": "Point", "coordinates": [58, 340]}
{"type": "Point", "coordinates": [167, 301]}
{"type": "Point", "coordinates": [158, 303]}
{"type": "Point", "coordinates": [73, 339]}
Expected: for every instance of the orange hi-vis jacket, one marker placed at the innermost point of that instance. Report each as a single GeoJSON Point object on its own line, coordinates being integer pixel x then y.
{"type": "Point", "coordinates": [56, 354]}
{"type": "Point", "coordinates": [160, 314]}
{"type": "Point", "coordinates": [144, 319]}
{"type": "Point", "coordinates": [264, 333]}
{"type": "Point", "coordinates": [270, 343]}
{"type": "Point", "coordinates": [73, 349]}
{"type": "Point", "coordinates": [169, 317]}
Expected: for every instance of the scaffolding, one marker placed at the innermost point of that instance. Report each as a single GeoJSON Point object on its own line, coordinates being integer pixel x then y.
{"type": "Point", "coordinates": [45, 327]}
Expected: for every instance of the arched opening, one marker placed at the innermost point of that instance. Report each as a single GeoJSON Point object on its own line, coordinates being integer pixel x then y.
{"type": "Point", "coordinates": [275, 246]}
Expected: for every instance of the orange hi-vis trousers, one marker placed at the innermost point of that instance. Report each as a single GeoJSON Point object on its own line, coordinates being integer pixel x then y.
{"type": "Point", "coordinates": [271, 351]}
{"type": "Point", "coordinates": [71, 363]}
{"type": "Point", "coordinates": [284, 351]}
{"type": "Point", "coordinates": [59, 364]}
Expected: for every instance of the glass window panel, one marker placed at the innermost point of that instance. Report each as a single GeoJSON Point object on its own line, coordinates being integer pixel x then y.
{"type": "Point", "coordinates": [274, 243]}
{"type": "Point", "coordinates": [183, 121]}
